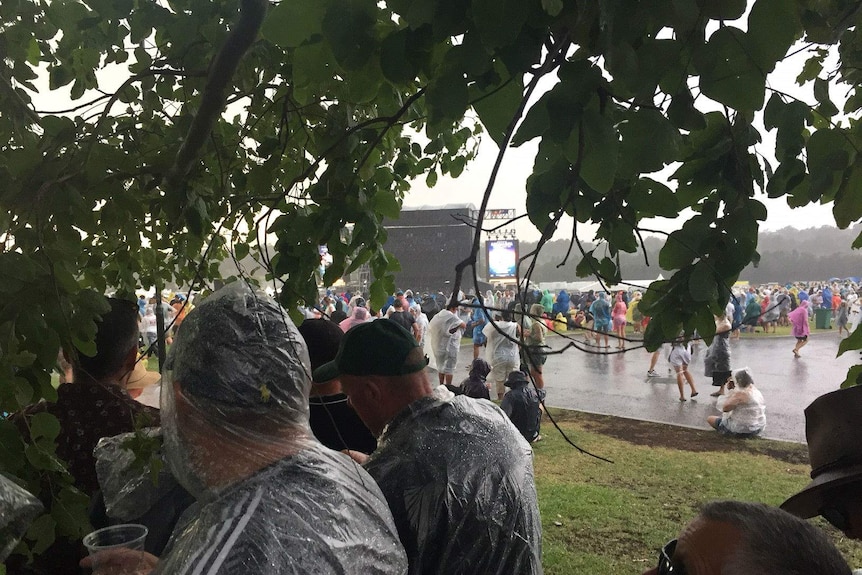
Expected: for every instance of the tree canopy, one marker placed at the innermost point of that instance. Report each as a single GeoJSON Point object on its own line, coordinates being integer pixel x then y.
{"type": "Point", "coordinates": [199, 127]}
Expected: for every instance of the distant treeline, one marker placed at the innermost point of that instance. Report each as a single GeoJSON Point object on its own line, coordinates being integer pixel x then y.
{"type": "Point", "coordinates": [786, 255]}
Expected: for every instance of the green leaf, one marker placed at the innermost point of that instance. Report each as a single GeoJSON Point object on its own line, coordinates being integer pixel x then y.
{"type": "Point", "coordinates": [722, 9]}
{"type": "Point", "coordinates": [729, 75]}
{"type": "Point", "coordinates": [499, 21]}
{"type": "Point", "coordinates": [536, 122]}
{"type": "Point", "coordinates": [601, 150]}
{"type": "Point", "coordinates": [679, 250]}
{"type": "Point", "coordinates": [44, 426]}
{"type": "Point", "coordinates": [349, 28]}
{"type": "Point", "coordinates": [496, 106]}
{"type": "Point", "coordinates": [446, 99]}
{"type": "Point", "coordinates": [773, 26]}
{"type": "Point", "coordinates": [854, 377]}
{"type": "Point", "coordinates": [290, 24]}
{"type": "Point", "coordinates": [851, 343]}
{"type": "Point", "coordinates": [41, 532]}
{"type": "Point", "coordinates": [387, 204]}
{"type": "Point", "coordinates": [649, 142]}
{"type": "Point", "coordinates": [848, 201]}
{"type": "Point", "coordinates": [395, 66]}
{"type": "Point", "coordinates": [701, 283]}
{"type": "Point", "coordinates": [33, 52]}
{"type": "Point", "coordinates": [650, 198]}
{"type": "Point", "coordinates": [552, 7]}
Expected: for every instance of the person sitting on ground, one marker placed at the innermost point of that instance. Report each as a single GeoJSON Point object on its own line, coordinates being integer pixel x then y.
{"type": "Point", "coordinates": [271, 498]}
{"type": "Point", "coordinates": [744, 411]}
{"type": "Point", "coordinates": [749, 539]}
{"type": "Point", "coordinates": [832, 427]}
{"type": "Point", "coordinates": [457, 474]}
{"type": "Point", "coordinates": [523, 405]}
{"type": "Point", "coordinates": [476, 385]}
{"type": "Point", "coordinates": [331, 418]}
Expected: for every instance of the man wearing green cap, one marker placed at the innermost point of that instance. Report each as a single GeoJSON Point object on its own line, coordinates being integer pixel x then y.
{"type": "Point", "coordinates": [456, 473]}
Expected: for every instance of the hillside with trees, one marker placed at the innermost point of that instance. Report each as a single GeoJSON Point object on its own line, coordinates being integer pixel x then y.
{"type": "Point", "coordinates": [787, 254]}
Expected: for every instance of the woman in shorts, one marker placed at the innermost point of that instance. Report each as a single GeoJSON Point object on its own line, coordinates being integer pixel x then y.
{"type": "Point", "coordinates": [534, 344]}
{"type": "Point", "coordinates": [679, 358]}
{"type": "Point", "coordinates": [619, 320]}
{"type": "Point", "coordinates": [601, 312]}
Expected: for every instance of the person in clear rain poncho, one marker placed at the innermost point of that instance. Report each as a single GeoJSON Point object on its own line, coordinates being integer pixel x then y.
{"type": "Point", "coordinates": [270, 497]}
{"type": "Point", "coordinates": [457, 474]}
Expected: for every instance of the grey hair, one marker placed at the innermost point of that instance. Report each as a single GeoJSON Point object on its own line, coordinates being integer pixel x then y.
{"type": "Point", "coordinates": [775, 542]}
{"type": "Point", "coordinates": [742, 377]}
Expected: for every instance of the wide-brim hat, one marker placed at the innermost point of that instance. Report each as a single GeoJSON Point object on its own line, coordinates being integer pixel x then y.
{"type": "Point", "coordinates": [141, 377]}
{"type": "Point", "coordinates": [832, 426]}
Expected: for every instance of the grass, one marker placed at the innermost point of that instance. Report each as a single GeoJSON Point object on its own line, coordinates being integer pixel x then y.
{"type": "Point", "coordinates": [601, 518]}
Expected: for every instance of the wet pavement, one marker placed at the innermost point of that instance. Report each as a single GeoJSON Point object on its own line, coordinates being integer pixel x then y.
{"type": "Point", "coordinates": [616, 383]}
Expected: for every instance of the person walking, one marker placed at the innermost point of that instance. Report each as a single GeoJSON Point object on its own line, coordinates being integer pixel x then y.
{"type": "Point", "coordinates": [679, 358]}
{"type": "Point", "coordinates": [842, 314]}
{"type": "Point", "coordinates": [800, 329]}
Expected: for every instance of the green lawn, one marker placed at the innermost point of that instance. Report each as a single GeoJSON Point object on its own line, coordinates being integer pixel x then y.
{"type": "Point", "coordinates": [601, 518]}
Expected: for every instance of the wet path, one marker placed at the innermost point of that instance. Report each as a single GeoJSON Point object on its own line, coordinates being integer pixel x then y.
{"type": "Point", "coordinates": [616, 383]}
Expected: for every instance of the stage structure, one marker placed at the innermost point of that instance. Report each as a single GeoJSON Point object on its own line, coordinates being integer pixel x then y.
{"type": "Point", "coordinates": [501, 248]}
{"type": "Point", "coordinates": [429, 242]}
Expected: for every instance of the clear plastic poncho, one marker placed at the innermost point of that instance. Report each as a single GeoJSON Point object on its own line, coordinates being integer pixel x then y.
{"type": "Point", "coordinates": [459, 480]}
{"type": "Point", "coordinates": [271, 499]}
{"type": "Point", "coordinates": [18, 507]}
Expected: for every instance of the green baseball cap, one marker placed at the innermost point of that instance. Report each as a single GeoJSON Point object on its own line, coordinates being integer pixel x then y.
{"type": "Point", "coordinates": [378, 347]}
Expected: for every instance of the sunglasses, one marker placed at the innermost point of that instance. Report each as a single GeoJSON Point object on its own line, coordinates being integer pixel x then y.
{"type": "Point", "coordinates": [665, 562]}
{"type": "Point", "coordinates": [837, 517]}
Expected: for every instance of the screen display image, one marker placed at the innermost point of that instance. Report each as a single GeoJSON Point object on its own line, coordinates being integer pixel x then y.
{"type": "Point", "coordinates": [502, 258]}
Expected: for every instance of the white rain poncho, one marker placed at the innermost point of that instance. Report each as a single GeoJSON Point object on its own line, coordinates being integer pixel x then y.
{"type": "Point", "coordinates": [459, 480]}
{"type": "Point", "coordinates": [444, 334]}
{"type": "Point", "coordinates": [271, 499]}
{"type": "Point", "coordinates": [18, 507]}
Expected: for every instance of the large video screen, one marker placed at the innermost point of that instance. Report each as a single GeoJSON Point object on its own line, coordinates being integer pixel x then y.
{"type": "Point", "coordinates": [502, 258]}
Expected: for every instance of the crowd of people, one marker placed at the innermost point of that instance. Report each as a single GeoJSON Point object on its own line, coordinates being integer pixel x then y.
{"type": "Point", "coordinates": [327, 448]}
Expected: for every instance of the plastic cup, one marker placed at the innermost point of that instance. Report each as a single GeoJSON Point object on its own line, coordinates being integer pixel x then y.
{"type": "Point", "coordinates": [109, 544]}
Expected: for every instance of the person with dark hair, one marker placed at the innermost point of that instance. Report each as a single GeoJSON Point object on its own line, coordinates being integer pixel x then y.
{"type": "Point", "coordinates": [404, 318]}
{"type": "Point", "coordinates": [523, 405]}
{"type": "Point", "coordinates": [331, 418]}
{"type": "Point", "coordinates": [475, 384]}
{"type": "Point", "coordinates": [456, 473]}
{"type": "Point", "coordinates": [271, 498]}
{"type": "Point", "coordinates": [92, 406]}
{"type": "Point", "coordinates": [96, 404]}
{"type": "Point", "coordinates": [749, 538]}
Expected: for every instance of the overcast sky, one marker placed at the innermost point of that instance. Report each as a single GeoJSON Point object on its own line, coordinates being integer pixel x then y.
{"type": "Point", "coordinates": [509, 191]}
